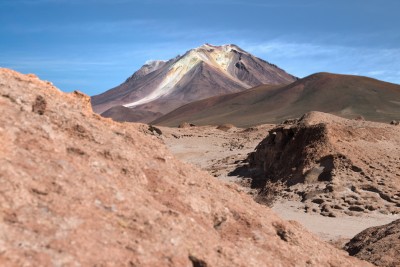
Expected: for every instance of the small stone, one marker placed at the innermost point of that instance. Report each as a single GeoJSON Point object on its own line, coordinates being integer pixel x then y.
{"type": "Point", "coordinates": [39, 106]}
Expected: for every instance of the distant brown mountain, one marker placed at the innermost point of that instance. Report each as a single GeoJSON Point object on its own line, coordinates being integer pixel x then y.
{"type": "Point", "coordinates": [343, 95]}
{"type": "Point", "coordinates": [200, 73]}
{"type": "Point", "coordinates": [121, 113]}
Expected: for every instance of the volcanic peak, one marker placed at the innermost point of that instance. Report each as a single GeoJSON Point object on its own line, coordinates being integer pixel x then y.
{"type": "Point", "coordinates": [218, 57]}
{"type": "Point", "coordinates": [202, 72]}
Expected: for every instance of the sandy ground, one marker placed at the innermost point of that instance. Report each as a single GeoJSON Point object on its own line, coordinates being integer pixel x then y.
{"type": "Point", "coordinates": [339, 229]}
{"type": "Point", "coordinates": [221, 152]}
{"type": "Point", "coordinates": [217, 151]}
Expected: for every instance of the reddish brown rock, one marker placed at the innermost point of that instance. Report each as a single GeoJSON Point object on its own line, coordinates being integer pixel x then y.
{"type": "Point", "coordinates": [185, 125]}
{"type": "Point", "coordinates": [379, 245]}
{"type": "Point", "coordinates": [78, 189]}
{"type": "Point", "coordinates": [225, 127]}
{"type": "Point", "coordinates": [351, 164]}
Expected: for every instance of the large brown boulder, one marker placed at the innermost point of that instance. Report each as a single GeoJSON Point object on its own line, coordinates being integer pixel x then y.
{"type": "Point", "coordinates": [379, 245]}
{"type": "Point", "coordinates": [81, 190]}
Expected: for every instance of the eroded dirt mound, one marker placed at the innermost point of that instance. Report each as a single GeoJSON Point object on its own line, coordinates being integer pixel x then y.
{"type": "Point", "coordinates": [78, 189]}
{"type": "Point", "coordinates": [333, 164]}
{"type": "Point", "coordinates": [186, 125]}
{"type": "Point", "coordinates": [225, 127]}
{"type": "Point", "coordinates": [379, 245]}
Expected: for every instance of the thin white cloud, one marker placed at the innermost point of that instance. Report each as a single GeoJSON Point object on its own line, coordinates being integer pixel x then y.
{"type": "Point", "coordinates": [92, 26]}
{"type": "Point", "coordinates": [377, 72]}
{"type": "Point", "coordinates": [39, 2]}
{"type": "Point", "coordinates": [247, 3]}
{"type": "Point", "coordinates": [305, 58]}
{"type": "Point", "coordinates": [149, 61]}
{"type": "Point", "coordinates": [52, 63]}
{"type": "Point", "coordinates": [290, 50]}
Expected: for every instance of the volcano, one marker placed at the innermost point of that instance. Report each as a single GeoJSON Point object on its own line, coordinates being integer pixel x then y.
{"type": "Point", "coordinates": [206, 71]}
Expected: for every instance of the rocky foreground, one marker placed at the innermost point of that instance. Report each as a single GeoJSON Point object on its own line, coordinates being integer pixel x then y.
{"type": "Point", "coordinates": [379, 245]}
{"type": "Point", "coordinates": [78, 189]}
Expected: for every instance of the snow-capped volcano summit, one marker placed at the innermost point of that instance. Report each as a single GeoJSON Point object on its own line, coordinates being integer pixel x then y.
{"type": "Point", "coordinates": [208, 70]}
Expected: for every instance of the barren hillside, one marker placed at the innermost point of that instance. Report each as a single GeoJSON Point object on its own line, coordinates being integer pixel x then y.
{"type": "Point", "coordinates": [78, 189]}
{"type": "Point", "coordinates": [347, 96]}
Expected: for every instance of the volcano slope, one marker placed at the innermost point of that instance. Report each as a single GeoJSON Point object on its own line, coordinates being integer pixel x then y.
{"type": "Point", "coordinates": [347, 96]}
{"type": "Point", "coordinates": [121, 113]}
{"type": "Point", "coordinates": [333, 165]}
{"type": "Point", "coordinates": [79, 189]}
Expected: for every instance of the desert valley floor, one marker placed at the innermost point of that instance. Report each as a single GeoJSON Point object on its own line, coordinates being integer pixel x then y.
{"type": "Point", "coordinates": [222, 150]}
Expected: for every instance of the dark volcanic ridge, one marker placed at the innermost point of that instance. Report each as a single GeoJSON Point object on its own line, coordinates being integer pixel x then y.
{"type": "Point", "coordinates": [347, 96]}
{"type": "Point", "coordinates": [124, 114]}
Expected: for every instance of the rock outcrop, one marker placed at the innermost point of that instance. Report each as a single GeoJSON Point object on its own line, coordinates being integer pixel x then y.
{"type": "Point", "coordinates": [79, 189]}
{"type": "Point", "coordinates": [379, 245]}
{"type": "Point", "coordinates": [333, 164]}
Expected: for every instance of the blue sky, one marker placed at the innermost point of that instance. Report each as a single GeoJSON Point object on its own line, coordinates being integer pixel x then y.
{"type": "Point", "coordinates": [94, 45]}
